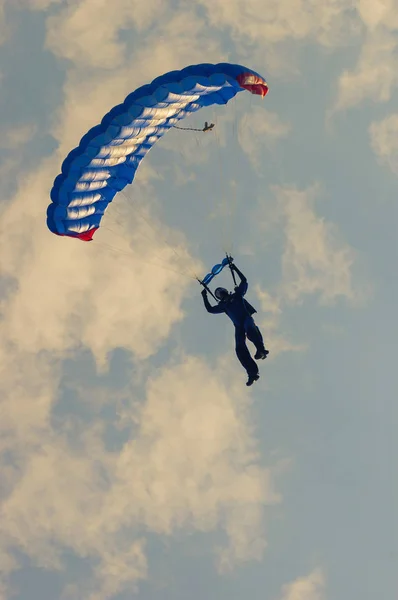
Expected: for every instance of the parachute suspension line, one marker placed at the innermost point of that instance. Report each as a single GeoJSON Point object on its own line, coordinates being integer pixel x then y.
{"type": "Point", "coordinates": [277, 166]}
{"type": "Point", "coordinates": [229, 259]}
{"type": "Point", "coordinates": [151, 227]}
{"type": "Point", "coordinates": [228, 208]}
{"type": "Point", "coordinates": [156, 233]}
{"type": "Point", "coordinates": [148, 262]}
{"type": "Point", "coordinates": [199, 185]}
{"type": "Point", "coordinates": [206, 288]}
{"type": "Point", "coordinates": [150, 239]}
{"type": "Point", "coordinates": [223, 203]}
{"type": "Point", "coordinates": [233, 183]}
{"type": "Point", "coordinates": [203, 191]}
{"type": "Point", "coordinates": [114, 248]}
{"type": "Point", "coordinates": [129, 253]}
{"type": "Point", "coordinates": [229, 248]}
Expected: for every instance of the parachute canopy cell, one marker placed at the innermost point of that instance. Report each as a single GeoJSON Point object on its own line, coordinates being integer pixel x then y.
{"type": "Point", "coordinates": [108, 156]}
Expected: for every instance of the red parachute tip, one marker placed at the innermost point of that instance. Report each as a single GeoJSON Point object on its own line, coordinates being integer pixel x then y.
{"type": "Point", "coordinates": [253, 83]}
{"type": "Point", "coordinates": [87, 236]}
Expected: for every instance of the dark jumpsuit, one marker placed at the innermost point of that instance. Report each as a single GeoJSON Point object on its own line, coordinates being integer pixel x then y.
{"type": "Point", "coordinates": [240, 312]}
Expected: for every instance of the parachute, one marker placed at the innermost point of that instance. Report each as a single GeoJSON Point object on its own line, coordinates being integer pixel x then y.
{"type": "Point", "coordinates": [108, 155]}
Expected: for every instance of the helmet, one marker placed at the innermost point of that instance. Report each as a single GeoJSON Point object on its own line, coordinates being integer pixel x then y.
{"type": "Point", "coordinates": [221, 293]}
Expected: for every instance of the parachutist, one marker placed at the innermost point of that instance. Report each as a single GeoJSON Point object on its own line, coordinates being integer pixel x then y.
{"type": "Point", "coordinates": [208, 127]}
{"type": "Point", "coordinates": [241, 313]}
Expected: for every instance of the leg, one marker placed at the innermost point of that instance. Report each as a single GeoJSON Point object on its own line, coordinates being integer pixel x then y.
{"type": "Point", "coordinates": [254, 335]}
{"type": "Point", "coordinates": [243, 354]}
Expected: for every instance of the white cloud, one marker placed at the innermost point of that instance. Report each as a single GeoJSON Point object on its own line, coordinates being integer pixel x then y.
{"type": "Point", "coordinates": [15, 137]}
{"type": "Point", "coordinates": [270, 325]}
{"type": "Point", "coordinates": [311, 587]}
{"type": "Point", "coordinates": [192, 463]}
{"type": "Point", "coordinates": [378, 12]}
{"type": "Point", "coordinates": [315, 259]}
{"type": "Point", "coordinates": [60, 302]}
{"type": "Point", "coordinates": [172, 43]}
{"type": "Point", "coordinates": [274, 21]}
{"type": "Point", "coordinates": [85, 293]}
{"type": "Point", "coordinates": [3, 22]}
{"type": "Point", "coordinates": [8, 170]}
{"type": "Point", "coordinates": [375, 74]}
{"type": "Point", "coordinates": [87, 32]}
{"type": "Point", "coordinates": [384, 141]}
{"type": "Point", "coordinates": [12, 142]}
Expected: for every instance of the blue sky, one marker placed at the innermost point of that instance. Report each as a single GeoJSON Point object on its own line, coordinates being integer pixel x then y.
{"type": "Point", "coordinates": [134, 460]}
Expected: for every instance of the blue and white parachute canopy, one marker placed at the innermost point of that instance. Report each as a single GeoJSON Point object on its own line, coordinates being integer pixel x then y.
{"type": "Point", "coordinates": [108, 156]}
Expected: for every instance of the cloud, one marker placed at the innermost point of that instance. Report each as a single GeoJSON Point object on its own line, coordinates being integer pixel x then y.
{"type": "Point", "coordinates": [90, 91]}
{"type": "Point", "coordinates": [327, 23]}
{"type": "Point", "coordinates": [50, 306]}
{"type": "Point", "coordinates": [375, 75]}
{"type": "Point", "coordinates": [59, 297]}
{"type": "Point", "coordinates": [187, 459]}
{"type": "Point", "coordinates": [310, 587]}
{"type": "Point", "coordinates": [87, 32]}
{"type": "Point", "coordinates": [99, 45]}
{"type": "Point", "coordinates": [12, 143]}
{"type": "Point", "coordinates": [3, 22]}
{"type": "Point", "coordinates": [38, 4]}
{"type": "Point", "coordinates": [384, 141]}
{"type": "Point", "coordinates": [15, 137]}
{"type": "Point", "coordinates": [270, 324]}
{"type": "Point", "coordinates": [310, 259]}
{"type": "Point", "coordinates": [70, 293]}
{"type": "Point", "coordinates": [375, 13]}
{"type": "Point", "coordinates": [191, 464]}
{"type": "Point", "coordinates": [315, 260]}
{"type": "Point", "coordinates": [89, 35]}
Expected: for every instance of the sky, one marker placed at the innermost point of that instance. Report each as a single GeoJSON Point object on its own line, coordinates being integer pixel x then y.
{"type": "Point", "coordinates": [134, 460]}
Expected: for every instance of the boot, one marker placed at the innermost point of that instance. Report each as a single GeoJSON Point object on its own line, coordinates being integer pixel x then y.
{"type": "Point", "coordinates": [252, 379]}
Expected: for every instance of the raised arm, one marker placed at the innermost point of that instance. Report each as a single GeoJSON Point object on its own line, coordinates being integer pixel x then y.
{"type": "Point", "coordinates": [211, 309]}
{"type": "Point", "coordinates": [242, 287]}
